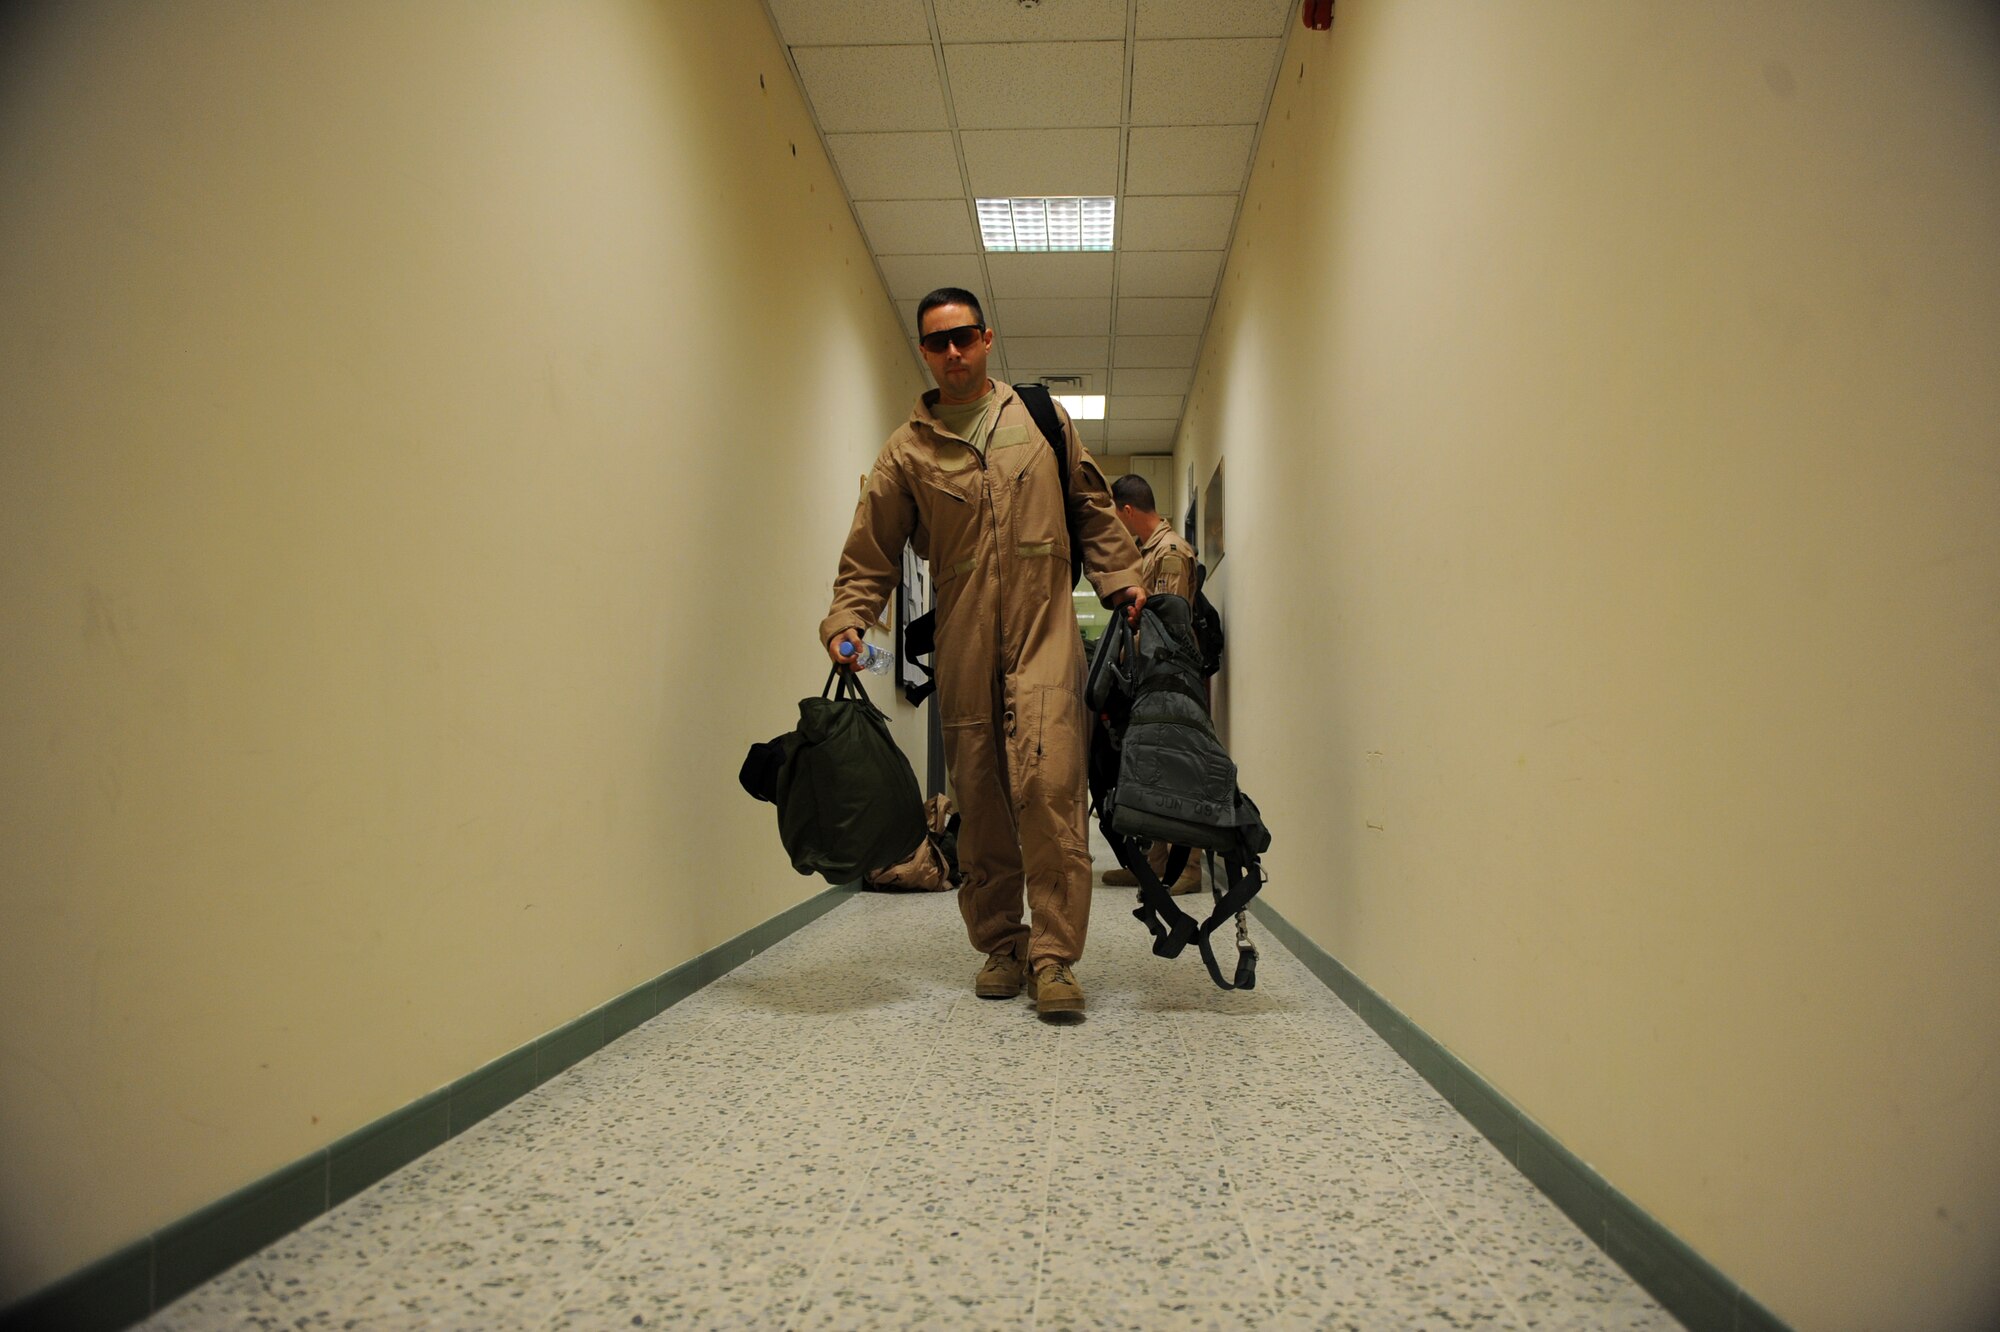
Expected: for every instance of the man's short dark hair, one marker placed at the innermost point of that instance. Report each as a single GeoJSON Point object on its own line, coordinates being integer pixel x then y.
{"type": "Point", "coordinates": [949, 296]}
{"type": "Point", "coordinates": [1134, 490]}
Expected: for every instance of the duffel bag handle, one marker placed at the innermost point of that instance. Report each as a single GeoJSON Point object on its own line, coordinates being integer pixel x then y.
{"type": "Point", "coordinates": [845, 682]}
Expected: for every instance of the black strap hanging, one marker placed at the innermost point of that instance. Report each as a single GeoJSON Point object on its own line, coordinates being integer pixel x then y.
{"type": "Point", "coordinates": [919, 640]}
{"type": "Point", "coordinates": [1174, 929]}
{"type": "Point", "coordinates": [1041, 406]}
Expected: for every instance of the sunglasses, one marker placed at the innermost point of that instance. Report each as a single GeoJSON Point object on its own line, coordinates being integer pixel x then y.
{"type": "Point", "coordinates": [961, 337]}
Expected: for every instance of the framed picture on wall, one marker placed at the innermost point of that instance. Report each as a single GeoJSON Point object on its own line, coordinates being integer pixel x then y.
{"type": "Point", "coordinates": [1212, 548]}
{"type": "Point", "coordinates": [913, 599]}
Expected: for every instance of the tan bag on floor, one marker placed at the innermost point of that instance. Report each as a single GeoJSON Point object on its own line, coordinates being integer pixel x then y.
{"type": "Point", "coordinates": [933, 868]}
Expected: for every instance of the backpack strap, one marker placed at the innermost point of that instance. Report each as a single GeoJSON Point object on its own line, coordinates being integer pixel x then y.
{"type": "Point", "coordinates": [1174, 929]}
{"type": "Point", "coordinates": [1245, 879]}
{"type": "Point", "coordinates": [1035, 397]}
{"type": "Point", "coordinates": [919, 642]}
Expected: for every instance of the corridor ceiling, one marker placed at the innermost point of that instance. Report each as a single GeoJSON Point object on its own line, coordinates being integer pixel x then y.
{"type": "Point", "coordinates": [926, 105]}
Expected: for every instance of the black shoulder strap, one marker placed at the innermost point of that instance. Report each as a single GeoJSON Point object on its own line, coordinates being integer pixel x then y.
{"type": "Point", "coordinates": [1174, 929]}
{"type": "Point", "coordinates": [1035, 397]}
{"type": "Point", "coordinates": [919, 642]}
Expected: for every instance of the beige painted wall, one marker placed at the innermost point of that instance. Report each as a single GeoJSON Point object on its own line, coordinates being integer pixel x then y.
{"type": "Point", "coordinates": [1609, 400]}
{"type": "Point", "coordinates": [426, 435]}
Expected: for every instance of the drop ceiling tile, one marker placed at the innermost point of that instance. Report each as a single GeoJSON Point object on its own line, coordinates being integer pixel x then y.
{"type": "Point", "coordinates": [1140, 432]}
{"type": "Point", "coordinates": [1176, 222]}
{"type": "Point", "coordinates": [1201, 82]}
{"type": "Point", "coordinates": [1076, 353]}
{"type": "Point", "coordinates": [1206, 18]}
{"type": "Point", "coordinates": [1008, 163]}
{"type": "Point", "coordinates": [897, 166]}
{"type": "Point", "coordinates": [1148, 353]}
{"type": "Point", "coordinates": [1073, 275]}
{"type": "Point", "coordinates": [1007, 86]}
{"type": "Point", "coordinates": [1090, 432]}
{"type": "Point", "coordinates": [911, 277]}
{"type": "Point", "coordinates": [1062, 21]}
{"type": "Point", "coordinates": [1052, 317]}
{"type": "Point", "coordinates": [858, 88]}
{"type": "Point", "coordinates": [1169, 273]}
{"type": "Point", "coordinates": [850, 22]}
{"type": "Point", "coordinates": [1162, 314]}
{"type": "Point", "coordinates": [918, 226]}
{"type": "Point", "coordinates": [1151, 381]}
{"type": "Point", "coordinates": [1144, 407]}
{"type": "Point", "coordinates": [1188, 159]}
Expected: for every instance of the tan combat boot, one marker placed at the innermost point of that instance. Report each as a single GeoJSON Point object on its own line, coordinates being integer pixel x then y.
{"type": "Point", "coordinates": [1121, 878]}
{"type": "Point", "coordinates": [1001, 977]}
{"type": "Point", "coordinates": [1054, 990]}
{"type": "Point", "coordinates": [1190, 880]}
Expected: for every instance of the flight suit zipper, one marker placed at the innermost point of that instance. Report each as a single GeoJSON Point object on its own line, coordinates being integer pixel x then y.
{"type": "Point", "coordinates": [1000, 636]}
{"type": "Point", "coordinates": [1015, 544]}
{"type": "Point", "coordinates": [992, 572]}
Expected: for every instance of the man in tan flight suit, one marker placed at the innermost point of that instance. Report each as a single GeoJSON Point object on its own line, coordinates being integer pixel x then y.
{"type": "Point", "coordinates": [1166, 564]}
{"type": "Point", "coordinates": [972, 484]}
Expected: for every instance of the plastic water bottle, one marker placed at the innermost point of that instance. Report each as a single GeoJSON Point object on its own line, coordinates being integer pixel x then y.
{"type": "Point", "coordinates": [874, 659]}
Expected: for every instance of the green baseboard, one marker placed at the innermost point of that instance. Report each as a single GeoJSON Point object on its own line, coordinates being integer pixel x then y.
{"type": "Point", "coordinates": [1690, 1287]}
{"type": "Point", "coordinates": [145, 1276]}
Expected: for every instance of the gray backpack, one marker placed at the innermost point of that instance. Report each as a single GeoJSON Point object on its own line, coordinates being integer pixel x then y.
{"type": "Point", "coordinates": [1158, 772]}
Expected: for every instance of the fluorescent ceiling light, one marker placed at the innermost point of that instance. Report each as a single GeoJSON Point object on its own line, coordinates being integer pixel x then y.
{"type": "Point", "coordinates": [1065, 223]}
{"type": "Point", "coordinates": [1082, 406]}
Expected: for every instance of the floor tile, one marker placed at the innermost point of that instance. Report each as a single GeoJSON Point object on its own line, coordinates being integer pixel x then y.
{"type": "Point", "coordinates": [838, 1135]}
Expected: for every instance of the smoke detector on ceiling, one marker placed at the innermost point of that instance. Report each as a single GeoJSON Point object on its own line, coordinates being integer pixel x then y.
{"type": "Point", "coordinates": [1082, 381]}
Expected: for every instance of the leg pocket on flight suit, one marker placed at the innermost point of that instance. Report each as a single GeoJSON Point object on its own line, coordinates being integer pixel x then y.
{"type": "Point", "coordinates": [969, 760]}
{"type": "Point", "coordinates": [1057, 740]}
{"type": "Point", "coordinates": [1056, 798]}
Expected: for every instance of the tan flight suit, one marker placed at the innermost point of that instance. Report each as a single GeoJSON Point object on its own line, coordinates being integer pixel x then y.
{"type": "Point", "coordinates": [1009, 656]}
{"type": "Point", "coordinates": [1166, 564]}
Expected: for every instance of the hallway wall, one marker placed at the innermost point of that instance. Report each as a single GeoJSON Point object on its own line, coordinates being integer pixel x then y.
{"type": "Point", "coordinates": [1612, 437]}
{"type": "Point", "coordinates": [419, 422]}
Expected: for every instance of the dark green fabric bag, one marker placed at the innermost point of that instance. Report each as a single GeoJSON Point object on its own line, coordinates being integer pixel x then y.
{"type": "Point", "coordinates": [847, 799]}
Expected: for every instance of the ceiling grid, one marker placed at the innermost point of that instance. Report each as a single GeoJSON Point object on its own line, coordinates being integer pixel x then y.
{"type": "Point", "coordinates": [958, 155]}
{"type": "Point", "coordinates": [925, 106]}
{"type": "Point", "coordinates": [1103, 431]}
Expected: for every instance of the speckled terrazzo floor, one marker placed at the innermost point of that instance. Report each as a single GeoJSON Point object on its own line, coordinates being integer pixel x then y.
{"type": "Point", "coordinates": [839, 1135]}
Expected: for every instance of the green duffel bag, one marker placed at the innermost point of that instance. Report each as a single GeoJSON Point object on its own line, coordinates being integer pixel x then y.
{"type": "Point", "coordinates": [848, 803]}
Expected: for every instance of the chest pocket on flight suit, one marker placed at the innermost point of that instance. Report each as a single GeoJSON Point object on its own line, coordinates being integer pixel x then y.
{"type": "Point", "coordinates": [950, 501]}
{"type": "Point", "coordinates": [1030, 466]}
